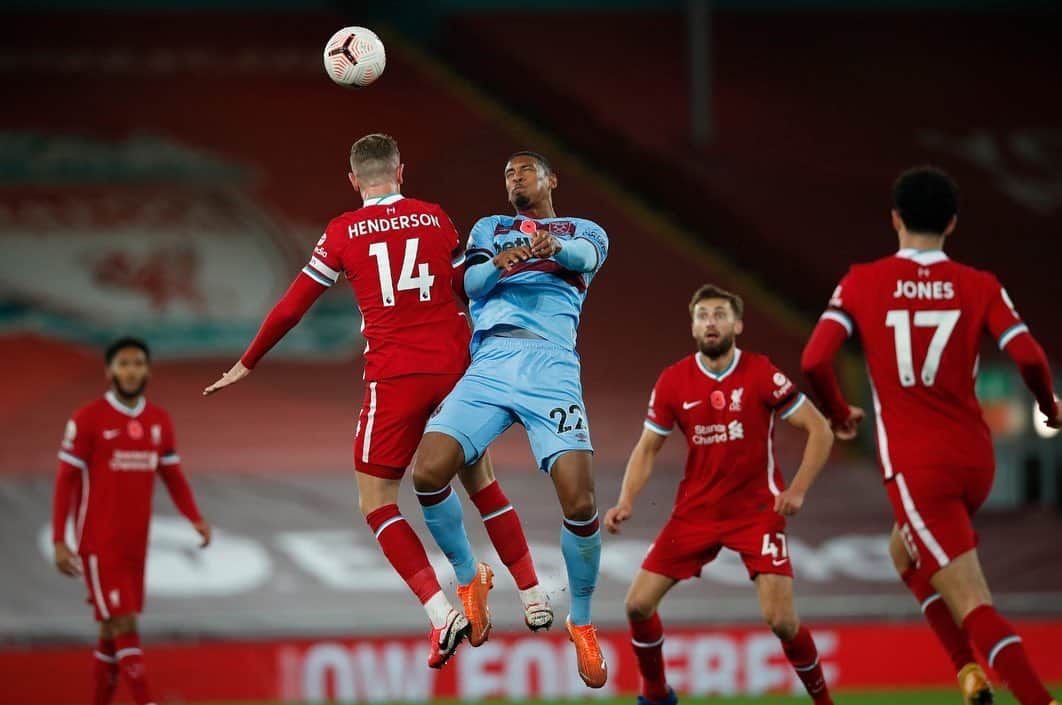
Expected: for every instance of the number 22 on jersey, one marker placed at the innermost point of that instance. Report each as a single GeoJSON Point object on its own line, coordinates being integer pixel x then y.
{"type": "Point", "coordinates": [406, 280]}
{"type": "Point", "coordinates": [943, 323]}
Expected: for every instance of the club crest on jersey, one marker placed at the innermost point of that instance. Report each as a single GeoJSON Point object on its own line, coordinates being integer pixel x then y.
{"type": "Point", "coordinates": [562, 227]}
{"type": "Point", "coordinates": [134, 429]}
{"type": "Point", "coordinates": [735, 399]}
{"type": "Point", "coordinates": [156, 434]}
{"type": "Point", "coordinates": [718, 400]}
{"type": "Point", "coordinates": [69, 435]}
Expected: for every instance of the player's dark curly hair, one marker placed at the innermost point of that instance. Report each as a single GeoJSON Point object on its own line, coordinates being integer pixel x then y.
{"type": "Point", "coordinates": [926, 199]}
{"type": "Point", "coordinates": [711, 291]}
{"type": "Point", "coordinates": [123, 343]}
{"type": "Point", "coordinates": [536, 156]}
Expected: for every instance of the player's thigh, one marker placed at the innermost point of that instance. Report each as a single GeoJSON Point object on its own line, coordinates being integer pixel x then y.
{"type": "Point", "coordinates": [549, 404]}
{"type": "Point", "coordinates": [476, 411]}
{"type": "Point", "coordinates": [932, 516]}
{"type": "Point", "coordinates": [573, 479]}
{"type": "Point", "coordinates": [115, 586]}
{"type": "Point", "coordinates": [375, 491]}
{"type": "Point", "coordinates": [682, 549]}
{"type": "Point", "coordinates": [962, 585]}
{"type": "Point", "coordinates": [645, 593]}
{"type": "Point", "coordinates": [392, 421]}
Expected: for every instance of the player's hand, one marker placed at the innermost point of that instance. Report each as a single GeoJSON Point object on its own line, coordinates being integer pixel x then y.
{"type": "Point", "coordinates": [234, 375]}
{"type": "Point", "coordinates": [66, 561]}
{"type": "Point", "coordinates": [616, 516]}
{"type": "Point", "coordinates": [205, 532]}
{"type": "Point", "coordinates": [789, 502]}
{"type": "Point", "coordinates": [507, 259]}
{"type": "Point", "coordinates": [847, 430]}
{"type": "Point", "coordinates": [544, 245]}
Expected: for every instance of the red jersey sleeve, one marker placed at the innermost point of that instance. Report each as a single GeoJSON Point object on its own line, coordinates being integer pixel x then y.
{"type": "Point", "coordinates": [76, 447]}
{"type": "Point", "coordinates": [778, 392]}
{"type": "Point", "coordinates": [74, 453]}
{"type": "Point", "coordinates": [835, 325]}
{"type": "Point", "coordinates": [1001, 318]}
{"type": "Point", "coordinates": [325, 264]}
{"type": "Point", "coordinates": [172, 476]}
{"type": "Point", "coordinates": [457, 257]}
{"type": "Point", "coordinates": [660, 418]}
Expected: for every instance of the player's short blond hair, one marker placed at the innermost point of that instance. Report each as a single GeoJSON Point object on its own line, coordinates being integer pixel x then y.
{"type": "Point", "coordinates": [711, 291]}
{"type": "Point", "coordinates": [374, 158]}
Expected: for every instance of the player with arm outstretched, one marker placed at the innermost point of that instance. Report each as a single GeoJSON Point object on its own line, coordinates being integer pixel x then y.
{"type": "Point", "coordinates": [401, 256]}
{"type": "Point", "coordinates": [732, 494]}
{"type": "Point", "coordinates": [112, 450]}
{"type": "Point", "coordinates": [527, 279]}
{"type": "Point", "coordinates": [921, 316]}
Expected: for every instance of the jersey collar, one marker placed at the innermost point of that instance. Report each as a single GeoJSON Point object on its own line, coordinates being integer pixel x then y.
{"type": "Point", "coordinates": [112, 399]}
{"type": "Point", "coordinates": [385, 200]}
{"type": "Point", "coordinates": [925, 257]}
{"type": "Point", "coordinates": [719, 376]}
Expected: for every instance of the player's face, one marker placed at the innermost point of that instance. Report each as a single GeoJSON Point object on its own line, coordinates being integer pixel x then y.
{"type": "Point", "coordinates": [526, 182]}
{"type": "Point", "coordinates": [128, 372]}
{"type": "Point", "coordinates": [715, 326]}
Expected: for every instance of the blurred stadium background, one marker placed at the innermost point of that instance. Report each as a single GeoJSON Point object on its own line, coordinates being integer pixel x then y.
{"type": "Point", "coordinates": [165, 168]}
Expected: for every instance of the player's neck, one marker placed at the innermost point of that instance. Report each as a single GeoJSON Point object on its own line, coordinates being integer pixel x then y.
{"type": "Point", "coordinates": [718, 364]}
{"type": "Point", "coordinates": [538, 210]}
{"type": "Point", "coordinates": [380, 190]}
{"type": "Point", "coordinates": [124, 400]}
{"type": "Point", "coordinates": [920, 241]}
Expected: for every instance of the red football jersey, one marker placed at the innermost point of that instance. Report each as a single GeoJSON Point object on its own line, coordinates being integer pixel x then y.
{"type": "Point", "coordinates": [118, 451]}
{"type": "Point", "coordinates": [728, 420]}
{"type": "Point", "coordinates": [398, 254]}
{"type": "Point", "coordinates": [920, 316]}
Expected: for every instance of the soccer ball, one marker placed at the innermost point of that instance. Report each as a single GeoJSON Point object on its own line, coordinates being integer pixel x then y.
{"type": "Point", "coordinates": [354, 57]}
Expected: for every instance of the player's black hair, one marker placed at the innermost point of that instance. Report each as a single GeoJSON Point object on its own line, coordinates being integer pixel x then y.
{"type": "Point", "coordinates": [534, 155]}
{"type": "Point", "coordinates": [122, 344]}
{"type": "Point", "coordinates": [926, 199]}
{"type": "Point", "coordinates": [711, 291]}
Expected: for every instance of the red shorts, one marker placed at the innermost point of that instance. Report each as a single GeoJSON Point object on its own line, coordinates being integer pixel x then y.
{"type": "Point", "coordinates": [684, 547]}
{"type": "Point", "coordinates": [115, 586]}
{"type": "Point", "coordinates": [933, 511]}
{"type": "Point", "coordinates": [392, 421]}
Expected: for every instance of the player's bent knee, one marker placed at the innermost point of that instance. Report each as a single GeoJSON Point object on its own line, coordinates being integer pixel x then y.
{"type": "Point", "coordinates": [639, 609]}
{"type": "Point", "coordinates": [783, 623]}
{"type": "Point", "coordinates": [438, 460]}
{"type": "Point", "coordinates": [580, 507]}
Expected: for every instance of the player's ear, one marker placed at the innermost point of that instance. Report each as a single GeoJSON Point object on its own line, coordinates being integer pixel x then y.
{"type": "Point", "coordinates": [897, 221]}
{"type": "Point", "coordinates": [353, 181]}
{"type": "Point", "coordinates": [552, 181]}
{"type": "Point", "coordinates": [739, 325]}
{"type": "Point", "coordinates": [398, 174]}
{"type": "Point", "coordinates": [951, 225]}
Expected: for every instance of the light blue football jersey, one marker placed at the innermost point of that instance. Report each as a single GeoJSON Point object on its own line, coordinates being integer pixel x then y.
{"type": "Point", "coordinates": [538, 295]}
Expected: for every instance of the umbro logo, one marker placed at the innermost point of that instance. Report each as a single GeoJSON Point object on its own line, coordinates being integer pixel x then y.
{"type": "Point", "coordinates": [111, 433]}
{"type": "Point", "coordinates": [687, 405]}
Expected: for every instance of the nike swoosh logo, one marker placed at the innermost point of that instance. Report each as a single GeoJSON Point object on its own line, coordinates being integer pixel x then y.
{"type": "Point", "coordinates": [111, 433]}
{"type": "Point", "coordinates": [778, 563]}
{"type": "Point", "coordinates": [687, 405]}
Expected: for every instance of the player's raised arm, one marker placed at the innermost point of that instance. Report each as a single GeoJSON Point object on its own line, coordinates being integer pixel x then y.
{"type": "Point", "coordinates": [287, 312]}
{"type": "Point", "coordinates": [803, 415]}
{"type": "Point", "coordinates": [639, 468]}
{"type": "Point", "coordinates": [834, 327]}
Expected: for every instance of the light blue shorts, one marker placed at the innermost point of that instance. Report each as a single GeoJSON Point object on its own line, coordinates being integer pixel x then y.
{"type": "Point", "coordinates": [514, 380]}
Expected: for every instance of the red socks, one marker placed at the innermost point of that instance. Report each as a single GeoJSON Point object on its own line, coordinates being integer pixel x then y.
{"type": "Point", "coordinates": [131, 666]}
{"type": "Point", "coordinates": [950, 635]}
{"type": "Point", "coordinates": [506, 533]}
{"type": "Point", "coordinates": [104, 672]}
{"type": "Point", "coordinates": [647, 638]}
{"type": "Point", "coordinates": [1002, 649]}
{"type": "Point", "coordinates": [801, 652]}
{"type": "Point", "coordinates": [404, 550]}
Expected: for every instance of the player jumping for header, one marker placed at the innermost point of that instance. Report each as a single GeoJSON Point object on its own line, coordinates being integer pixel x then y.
{"type": "Point", "coordinates": [112, 450]}
{"type": "Point", "coordinates": [527, 278]}
{"type": "Point", "coordinates": [401, 256]}
{"type": "Point", "coordinates": [921, 316]}
{"type": "Point", "coordinates": [732, 494]}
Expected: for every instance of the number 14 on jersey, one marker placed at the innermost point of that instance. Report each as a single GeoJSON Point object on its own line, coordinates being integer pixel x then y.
{"type": "Point", "coordinates": [406, 280]}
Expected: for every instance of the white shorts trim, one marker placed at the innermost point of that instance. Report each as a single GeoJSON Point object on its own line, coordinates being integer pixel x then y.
{"type": "Point", "coordinates": [97, 591]}
{"type": "Point", "coordinates": [368, 423]}
{"type": "Point", "coordinates": [918, 524]}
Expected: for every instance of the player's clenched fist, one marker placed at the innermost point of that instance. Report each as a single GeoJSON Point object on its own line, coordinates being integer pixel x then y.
{"type": "Point", "coordinates": [788, 502]}
{"type": "Point", "coordinates": [616, 516]}
{"type": "Point", "coordinates": [847, 430]}
{"type": "Point", "coordinates": [544, 245]}
{"type": "Point", "coordinates": [238, 372]}
{"type": "Point", "coordinates": [66, 561]}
